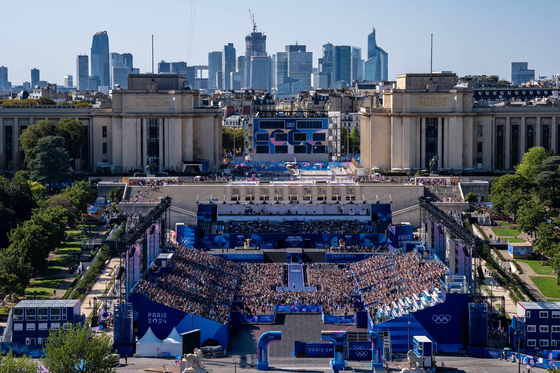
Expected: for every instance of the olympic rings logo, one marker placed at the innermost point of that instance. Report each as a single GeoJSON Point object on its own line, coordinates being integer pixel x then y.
{"type": "Point", "coordinates": [362, 353]}
{"type": "Point", "coordinates": [441, 319]}
{"type": "Point", "coordinates": [494, 354]}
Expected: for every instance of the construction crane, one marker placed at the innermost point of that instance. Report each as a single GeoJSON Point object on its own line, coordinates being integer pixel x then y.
{"type": "Point", "coordinates": [253, 20]}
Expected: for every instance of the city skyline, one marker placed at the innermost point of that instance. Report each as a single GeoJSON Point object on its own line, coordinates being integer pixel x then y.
{"type": "Point", "coordinates": [469, 38]}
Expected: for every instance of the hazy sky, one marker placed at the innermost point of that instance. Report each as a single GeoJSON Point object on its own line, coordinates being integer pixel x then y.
{"type": "Point", "coordinates": [470, 37]}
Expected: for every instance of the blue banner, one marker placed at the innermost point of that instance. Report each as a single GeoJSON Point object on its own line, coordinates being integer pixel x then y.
{"type": "Point", "coordinates": [319, 350]}
{"type": "Point", "coordinates": [359, 351]}
{"type": "Point", "coordinates": [298, 309]}
{"type": "Point", "coordinates": [334, 319]}
{"type": "Point", "coordinates": [258, 319]}
{"type": "Point", "coordinates": [346, 257]}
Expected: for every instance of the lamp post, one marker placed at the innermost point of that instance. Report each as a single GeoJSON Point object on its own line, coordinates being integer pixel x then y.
{"type": "Point", "coordinates": [408, 340]}
{"type": "Point", "coordinates": [234, 366]}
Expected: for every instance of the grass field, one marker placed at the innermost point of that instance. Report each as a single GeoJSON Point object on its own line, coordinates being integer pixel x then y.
{"type": "Point", "coordinates": [44, 287]}
{"type": "Point", "coordinates": [539, 269]}
{"type": "Point", "coordinates": [547, 286]}
{"type": "Point", "coordinates": [505, 232]}
{"type": "Point", "coordinates": [514, 239]}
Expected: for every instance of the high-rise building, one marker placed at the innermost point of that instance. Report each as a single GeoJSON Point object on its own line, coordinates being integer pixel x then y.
{"type": "Point", "coordinates": [69, 81]}
{"type": "Point", "coordinates": [163, 67]}
{"type": "Point", "coordinates": [236, 79]}
{"type": "Point", "coordinates": [357, 65]}
{"type": "Point", "coordinates": [326, 62]}
{"type": "Point", "coordinates": [119, 76]}
{"type": "Point", "coordinates": [300, 64]}
{"type": "Point", "coordinates": [115, 60]}
{"type": "Point", "coordinates": [100, 67]}
{"type": "Point", "coordinates": [241, 64]}
{"type": "Point", "coordinates": [520, 73]}
{"type": "Point", "coordinates": [4, 77]}
{"type": "Point", "coordinates": [376, 65]}
{"type": "Point", "coordinates": [128, 60]}
{"type": "Point", "coordinates": [228, 64]}
{"type": "Point", "coordinates": [214, 65]}
{"type": "Point", "coordinates": [280, 62]}
{"type": "Point", "coordinates": [342, 65]}
{"type": "Point", "coordinates": [35, 77]}
{"type": "Point", "coordinates": [320, 80]}
{"type": "Point", "coordinates": [260, 72]}
{"type": "Point", "coordinates": [255, 46]}
{"type": "Point", "coordinates": [82, 72]}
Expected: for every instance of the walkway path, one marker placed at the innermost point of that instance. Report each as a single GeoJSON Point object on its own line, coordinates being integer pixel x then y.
{"type": "Point", "coordinates": [498, 291]}
{"type": "Point", "coordinates": [101, 286]}
{"type": "Point", "coordinates": [295, 279]}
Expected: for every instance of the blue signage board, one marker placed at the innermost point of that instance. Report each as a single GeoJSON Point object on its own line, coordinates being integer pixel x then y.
{"type": "Point", "coordinates": [298, 309]}
{"type": "Point", "coordinates": [258, 319]}
{"type": "Point", "coordinates": [359, 351]}
{"type": "Point", "coordinates": [319, 350]}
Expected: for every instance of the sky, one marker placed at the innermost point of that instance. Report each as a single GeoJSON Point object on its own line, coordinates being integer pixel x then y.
{"type": "Point", "coordinates": [470, 37]}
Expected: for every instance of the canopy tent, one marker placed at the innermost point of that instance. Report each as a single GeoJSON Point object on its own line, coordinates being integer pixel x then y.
{"type": "Point", "coordinates": [149, 345]}
{"type": "Point", "coordinates": [173, 344]}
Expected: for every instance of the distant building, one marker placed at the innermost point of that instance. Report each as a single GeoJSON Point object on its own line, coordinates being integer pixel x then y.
{"type": "Point", "coordinates": [228, 64]}
{"type": "Point", "coordinates": [163, 67]}
{"type": "Point", "coordinates": [520, 73]}
{"type": "Point", "coordinates": [326, 62]}
{"type": "Point", "coordinates": [69, 81]}
{"type": "Point", "coordinates": [255, 46]}
{"type": "Point", "coordinates": [357, 65]}
{"type": "Point", "coordinates": [260, 72]}
{"type": "Point", "coordinates": [342, 64]}
{"type": "Point", "coordinates": [119, 75]}
{"type": "Point", "coordinates": [214, 65]}
{"type": "Point", "coordinates": [300, 64]}
{"type": "Point", "coordinates": [376, 65]}
{"type": "Point", "coordinates": [241, 64]}
{"type": "Point", "coordinates": [128, 60]}
{"type": "Point", "coordinates": [4, 77]}
{"type": "Point", "coordinates": [35, 77]}
{"type": "Point", "coordinates": [236, 80]}
{"type": "Point", "coordinates": [115, 60]}
{"type": "Point", "coordinates": [100, 67]}
{"type": "Point", "coordinates": [320, 80]}
{"type": "Point", "coordinates": [82, 72]}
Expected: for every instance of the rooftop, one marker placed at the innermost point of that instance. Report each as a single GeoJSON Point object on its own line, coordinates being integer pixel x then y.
{"type": "Point", "coordinates": [47, 303]}
{"type": "Point", "coordinates": [540, 305]}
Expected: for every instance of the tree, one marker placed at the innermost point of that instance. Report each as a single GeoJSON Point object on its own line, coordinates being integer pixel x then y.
{"type": "Point", "coordinates": [116, 194]}
{"type": "Point", "coordinates": [534, 157]}
{"type": "Point", "coordinates": [529, 215]}
{"type": "Point", "coordinates": [74, 135]}
{"type": "Point", "coordinates": [51, 163]}
{"type": "Point", "coordinates": [228, 135]}
{"type": "Point", "coordinates": [77, 349]}
{"type": "Point", "coordinates": [548, 242]}
{"type": "Point", "coordinates": [471, 197]}
{"type": "Point", "coordinates": [15, 272]}
{"type": "Point", "coordinates": [8, 221]}
{"type": "Point", "coordinates": [355, 140]}
{"type": "Point", "coordinates": [31, 135]}
{"type": "Point", "coordinates": [71, 214]}
{"type": "Point", "coordinates": [80, 194]}
{"type": "Point", "coordinates": [508, 192]}
{"type": "Point", "coordinates": [16, 199]}
{"type": "Point", "coordinates": [344, 141]}
{"type": "Point", "coordinates": [11, 364]}
{"type": "Point", "coordinates": [548, 178]}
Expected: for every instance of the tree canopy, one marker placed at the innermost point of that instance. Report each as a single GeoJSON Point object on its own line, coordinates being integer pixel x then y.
{"type": "Point", "coordinates": [534, 157]}
{"type": "Point", "coordinates": [51, 163]}
{"type": "Point", "coordinates": [31, 135]}
{"type": "Point", "coordinates": [508, 192]}
{"type": "Point", "coordinates": [80, 193]}
{"type": "Point", "coordinates": [228, 135]}
{"type": "Point", "coordinates": [77, 349]}
{"type": "Point", "coordinates": [74, 135]}
{"type": "Point", "coordinates": [548, 178]}
{"type": "Point", "coordinates": [11, 364]}
{"type": "Point", "coordinates": [15, 272]}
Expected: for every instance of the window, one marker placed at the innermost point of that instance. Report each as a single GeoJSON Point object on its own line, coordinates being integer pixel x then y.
{"type": "Point", "coordinates": [531, 343]}
{"type": "Point", "coordinates": [281, 137]}
{"type": "Point", "coordinates": [64, 314]}
{"type": "Point", "coordinates": [18, 327]}
{"type": "Point", "coordinates": [543, 314]}
{"type": "Point", "coordinates": [18, 314]}
{"type": "Point", "coordinates": [30, 314]}
{"type": "Point", "coordinates": [55, 325]}
{"type": "Point", "coordinates": [55, 314]}
{"type": "Point", "coordinates": [281, 149]}
{"type": "Point", "coordinates": [300, 149]}
{"type": "Point", "coordinates": [262, 149]}
{"type": "Point", "coordinates": [479, 131]}
{"type": "Point", "coordinates": [543, 342]}
{"type": "Point", "coordinates": [262, 137]}
{"type": "Point", "coordinates": [271, 125]}
{"type": "Point", "coordinates": [556, 329]}
{"type": "Point", "coordinates": [319, 137]}
{"type": "Point", "coordinates": [43, 326]}
{"type": "Point", "coordinates": [42, 314]}
{"type": "Point", "coordinates": [30, 326]}
{"type": "Point", "coordinates": [300, 137]}
{"type": "Point", "coordinates": [531, 328]}
{"type": "Point", "coordinates": [319, 149]}
{"type": "Point", "coordinates": [543, 328]}
{"type": "Point", "coordinates": [309, 124]}
{"type": "Point", "coordinates": [479, 148]}
{"type": "Point", "coordinates": [555, 314]}
{"type": "Point", "coordinates": [104, 131]}
{"type": "Point", "coordinates": [553, 343]}
{"type": "Point", "coordinates": [104, 148]}
{"type": "Point", "coordinates": [528, 314]}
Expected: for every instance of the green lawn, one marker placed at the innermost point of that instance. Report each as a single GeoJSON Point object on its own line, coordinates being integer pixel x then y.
{"type": "Point", "coordinates": [504, 231]}
{"type": "Point", "coordinates": [514, 239]}
{"type": "Point", "coordinates": [547, 286]}
{"type": "Point", "coordinates": [44, 287]}
{"type": "Point", "coordinates": [539, 269]}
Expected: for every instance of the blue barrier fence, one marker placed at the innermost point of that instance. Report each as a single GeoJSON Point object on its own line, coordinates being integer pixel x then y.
{"type": "Point", "coordinates": [298, 309]}
{"type": "Point", "coordinates": [258, 319]}
{"type": "Point", "coordinates": [334, 319]}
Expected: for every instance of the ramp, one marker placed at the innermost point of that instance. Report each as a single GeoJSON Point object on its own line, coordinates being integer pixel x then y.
{"type": "Point", "coordinates": [296, 328]}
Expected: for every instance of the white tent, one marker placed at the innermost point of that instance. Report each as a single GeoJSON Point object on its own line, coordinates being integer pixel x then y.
{"type": "Point", "coordinates": [149, 345]}
{"type": "Point", "coordinates": [173, 343]}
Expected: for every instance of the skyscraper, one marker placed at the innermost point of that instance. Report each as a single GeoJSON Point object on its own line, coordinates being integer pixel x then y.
{"type": "Point", "coordinates": [520, 73]}
{"type": "Point", "coordinates": [4, 77]}
{"type": "Point", "coordinates": [163, 67]}
{"type": "Point", "coordinates": [82, 72]}
{"type": "Point", "coordinates": [68, 81]}
{"type": "Point", "coordinates": [376, 65]}
{"type": "Point", "coordinates": [100, 67]}
{"type": "Point", "coordinates": [326, 62]}
{"type": "Point", "coordinates": [280, 62]}
{"type": "Point", "coordinates": [127, 60]}
{"type": "Point", "coordinates": [260, 72]}
{"type": "Point", "coordinates": [35, 77]}
{"type": "Point", "coordinates": [255, 45]}
{"type": "Point", "coordinates": [241, 65]}
{"type": "Point", "coordinates": [228, 65]}
{"type": "Point", "coordinates": [300, 64]}
{"type": "Point", "coordinates": [115, 60]}
{"type": "Point", "coordinates": [357, 64]}
{"type": "Point", "coordinates": [214, 65]}
{"type": "Point", "coordinates": [342, 65]}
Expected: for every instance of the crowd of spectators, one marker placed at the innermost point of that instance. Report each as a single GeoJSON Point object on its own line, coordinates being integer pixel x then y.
{"type": "Point", "coordinates": [260, 284]}
{"type": "Point", "coordinates": [332, 226]}
{"type": "Point", "coordinates": [255, 226]}
{"type": "Point", "coordinates": [199, 283]}
{"type": "Point", "coordinates": [356, 247]}
{"type": "Point", "coordinates": [389, 277]}
{"type": "Point", "coordinates": [326, 226]}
